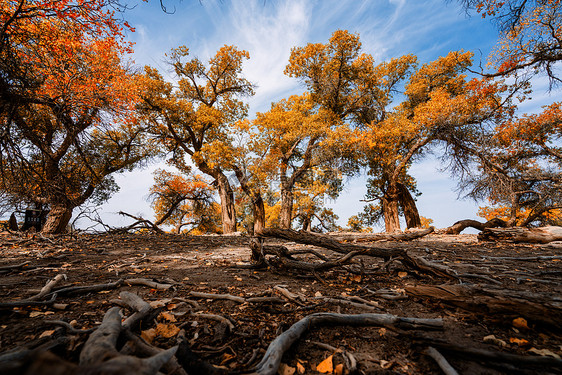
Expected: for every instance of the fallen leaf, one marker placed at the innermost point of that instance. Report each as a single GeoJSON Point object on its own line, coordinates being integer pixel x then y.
{"type": "Point", "coordinates": [167, 316]}
{"type": "Point", "coordinates": [167, 330]}
{"type": "Point", "coordinates": [520, 342]}
{"type": "Point", "coordinates": [238, 278]}
{"type": "Point", "coordinates": [326, 366]}
{"type": "Point", "coordinates": [544, 352]}
{"type": "Point", "coordinates": [148, 335]}
{"type": "Point", "coordinates": [300, 368]}
{"type": "Point", "coordinates": [285, 369]}
{"type": "Point", "coordinates": [339, 369]}
{"type": "Point", "coordinates": [356, 278]}
{"type": "Point", "coordinates": [34, 314]}
{"type": "Point", "coordinates": [47, 333]}
{"type": "Point", "coordinates": [402, 274]}
{"type": "Point", "coordinates": [520, 323]}
{"type": "Point", "coordinates": [159, 303]}
{"type": "Point", "coordinates": [317, 294]}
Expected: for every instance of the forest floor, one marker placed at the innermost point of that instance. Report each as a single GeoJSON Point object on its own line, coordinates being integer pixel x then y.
{"type": "Point", "coordinates": [208, 264]}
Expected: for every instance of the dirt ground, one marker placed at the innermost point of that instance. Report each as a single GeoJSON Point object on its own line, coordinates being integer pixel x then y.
{"type": "Point", "coordinates": [208, 264]}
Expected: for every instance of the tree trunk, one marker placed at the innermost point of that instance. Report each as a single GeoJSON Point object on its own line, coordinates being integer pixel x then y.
{"type": "Point", "coordinates": [390, 210]}
{"type": "Point", "coordinates": [409, 207]}
{"type": "Point", "coordinates": [259, 213]}
{"type": "Point", "coordinates": [58, 219]}
{"type": "Point", "coordinates": [307, 223]}
{"type": "Point", "coordinates": [228, 210]}
{"type": "Point", "coordinates": [286, 213]}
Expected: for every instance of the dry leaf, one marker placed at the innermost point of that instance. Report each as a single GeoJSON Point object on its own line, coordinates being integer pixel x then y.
{"type": "Point", "coordinates": [402, 274]}
{"type": "Point", "coordinates": [148, 335]}
{"type": "Point", "coordinates": [544, 352]}
{"type": "Point", "coordinates": [285, 369]}
{"type": "Point", "coordinates": [167, 330]}
{"type": "Point", "coordinates": [356, 278]}
{"type": "Point", "coordinates": [34, 314]}
{"type": "Point", "coordinates": [47, 333]}
{"type": "Point", "coordinates": [300, 368]}
{"type": "Point", "coordinates": [520, 323]}
{"type": "Point", "coordinates": [339, 369]}
{"type": "Point", "coordinates": [167, 316]}
{"type": "Point", "coordinates": [227, 357]}
{"type": "Point", "coordinates": [238, 278]}
{"type": "Point", "coordinates": [317, 294]}
{"type": "Point", "coordinates": [326, 366]}
{"type": "Point", "coordinates": [520, 342]}
{"type": "Point", "coordinates": [159, 303]}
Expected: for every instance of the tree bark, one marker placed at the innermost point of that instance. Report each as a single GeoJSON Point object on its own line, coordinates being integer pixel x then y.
{"type": "Point", "coordinates": [518, 234]}
{"type": "Point", "coordinates": [497, 302]}
{"type": "Point", "coordinates": [390, 210]}
{"type": "Point", "coordinates": [228, 210]}
{"type": "Point", "coordinates": [408, 205]}
{"type": "Point", "coordinates": [307, 223]}
{"type": "Point", "coordinates": [286, 213]}
{"type": "Point", "coordinates": [58, 219]}
{"type": "Point", "coordinates": [259, 213]}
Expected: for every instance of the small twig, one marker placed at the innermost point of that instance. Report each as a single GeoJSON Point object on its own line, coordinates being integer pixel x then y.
{"type": "Point", "coordinates": [218, 318]}
{"type": "Point", "coordinates": [148, 283]}
{"type": "Point", "coordinates": [48, 287]}
{"type": "Point", "coordinates": [229, 297]}
{"type": "Point", "coordinates": [441, 361]}
{"type": "Point", "coordinates": [68, 327]}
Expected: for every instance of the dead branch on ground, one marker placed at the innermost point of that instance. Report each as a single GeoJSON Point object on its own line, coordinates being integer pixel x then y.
{"type": "Point", "coordinates": [461, 225]}
{"type": "Point", "coordinates": [518, 234]}
{"type": "Point", "coordinates": [272, 358]}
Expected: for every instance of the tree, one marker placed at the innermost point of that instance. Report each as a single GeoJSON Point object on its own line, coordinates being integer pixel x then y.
{"type": "Point", "coordinates": [516, 165]}
{"type": "Point", "coordinates": [294, 133]}
{"type": "Point", "coordinates": [530, 35]}
{"type": "Point", "coordinates": [438, 101]}
{"type": "Point", "coordinates": [311, 193]}
{"type": "Point", "coordinates": [192, 120]}
{"type": "Point", "coordinates": [184, 200]}
{"type": "Point", "coordinates": [66, 105]}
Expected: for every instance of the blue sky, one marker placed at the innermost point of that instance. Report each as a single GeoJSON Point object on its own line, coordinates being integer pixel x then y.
{"type": "Point", "coordinates": [268, 29]}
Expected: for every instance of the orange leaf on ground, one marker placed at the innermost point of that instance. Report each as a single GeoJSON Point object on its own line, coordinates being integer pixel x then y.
{"type": "Point", "coordinates": [148, 335]}
{"type": "Point", "coordinates": [167, 330]}
{"type": "Point", "coordinates": [520, 323]}
{"type": "Point", "coordinates": [326, 366]}
{"type": "Point", "coordinates": [520, 342]}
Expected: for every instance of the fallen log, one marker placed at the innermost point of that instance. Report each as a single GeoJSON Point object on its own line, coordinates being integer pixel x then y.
{"type": "Point", "coordinates": [492, 356]}
{"type": "Point", "coordinates": [520, 234]}
{"type": "Point", "coordinates": [494, 301]}
{"type": "Point", "coordinates": [272, 357]}
{"type": "Point", "coordinates": [351, 250]}
{"type": "Point", "coordinates": [308, 238]}
{"type": "Point", "coordinates": [461, 225]}
{"type": "Point", "coordinates": [372, 237]}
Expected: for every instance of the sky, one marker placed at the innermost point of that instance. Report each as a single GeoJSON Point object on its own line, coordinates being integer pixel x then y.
{"type": "Point", "coordinates": [268, 29]}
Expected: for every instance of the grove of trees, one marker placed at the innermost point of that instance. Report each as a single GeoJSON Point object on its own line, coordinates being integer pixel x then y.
{"type": "Point", "coordinates": [74, 112]}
